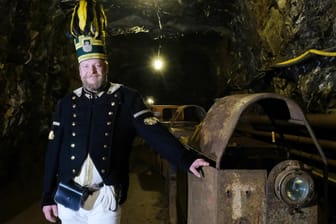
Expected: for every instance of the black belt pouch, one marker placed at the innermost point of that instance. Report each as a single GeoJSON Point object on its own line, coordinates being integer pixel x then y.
{"type": "Point", "coordinates": [71, 195]}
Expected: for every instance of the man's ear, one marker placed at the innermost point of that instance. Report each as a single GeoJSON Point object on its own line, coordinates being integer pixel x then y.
{"type": "Point", "coordinates": [106, 67]}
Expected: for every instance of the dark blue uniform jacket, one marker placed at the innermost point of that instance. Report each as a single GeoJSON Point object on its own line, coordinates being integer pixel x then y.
{"type": "Point", "coordinates": [105, 127]}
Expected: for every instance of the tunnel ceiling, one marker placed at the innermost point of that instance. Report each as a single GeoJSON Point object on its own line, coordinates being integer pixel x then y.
{"type": "Point", "coordinates": [165, 18]}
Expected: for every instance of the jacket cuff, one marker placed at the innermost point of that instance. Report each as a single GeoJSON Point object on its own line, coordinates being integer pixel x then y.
{"type": "Point", "coordinates": [188, 158]}
{"type": "Point", "coordinates": [47, 199]}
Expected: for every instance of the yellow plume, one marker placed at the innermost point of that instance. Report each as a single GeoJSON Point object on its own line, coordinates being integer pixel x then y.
{"type": "Point", "coordinates": [87, 19]}
{"type": "Point", "coordinates": [82, 14]}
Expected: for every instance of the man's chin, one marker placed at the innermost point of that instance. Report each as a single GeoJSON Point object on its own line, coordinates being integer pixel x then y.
{"type": "Point", "coordinates": [91, 87]}
{"type": "Point", "coordinates": [94, 86]}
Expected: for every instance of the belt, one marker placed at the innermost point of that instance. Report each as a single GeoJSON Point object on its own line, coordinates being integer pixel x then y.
{"type": "Point", "coordinates": [94, 187]}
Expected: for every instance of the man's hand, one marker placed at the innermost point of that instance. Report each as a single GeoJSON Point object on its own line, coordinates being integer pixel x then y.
{"type": "Point", "coordinates": [197, 165]}
{"type": "Point", "coordinates": [50, 212]}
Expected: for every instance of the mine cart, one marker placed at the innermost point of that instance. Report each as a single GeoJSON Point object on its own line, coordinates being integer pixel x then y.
{"type": "Point", "coordinates": [253, 143]}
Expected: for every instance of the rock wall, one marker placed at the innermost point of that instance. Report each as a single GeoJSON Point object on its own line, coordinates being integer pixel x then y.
{"type": "Point", "coordinates": [31, 80]}
{"type": "Point", "coordinates": [288, 29]}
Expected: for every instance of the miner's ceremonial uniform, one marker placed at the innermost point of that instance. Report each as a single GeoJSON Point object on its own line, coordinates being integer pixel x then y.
{"type": "Point", "coordinates": [97, 130]}
{"type": "Point", "coordinates": [92, 133]}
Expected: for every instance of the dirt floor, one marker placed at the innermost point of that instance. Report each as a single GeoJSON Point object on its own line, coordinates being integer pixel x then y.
{"type": "Point", "coordinates": [147, 198]}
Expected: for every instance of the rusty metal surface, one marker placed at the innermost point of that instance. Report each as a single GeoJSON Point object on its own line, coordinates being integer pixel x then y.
{"type": "Point", "coordinates": [243, 196]}
{"type": "Point", "coordinates": [223, 116]}
{"type": "Point", "coordinates": [228, 196]}
{"type": "Point", "coordinates": [179, 114]}
{"type": "Point", "coordinates": [279, 214]}
{"type": "Point", "coordinates": [203, 197]}
{"type": "Point", "coordinates": [185, 120]}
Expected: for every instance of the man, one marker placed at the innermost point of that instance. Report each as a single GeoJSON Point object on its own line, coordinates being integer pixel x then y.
{"type": "Point", "coordinates": [91, 139]}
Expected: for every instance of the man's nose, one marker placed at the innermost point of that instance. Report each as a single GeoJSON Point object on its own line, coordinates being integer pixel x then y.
{"type": "Point", "coordinates": [93, 68]}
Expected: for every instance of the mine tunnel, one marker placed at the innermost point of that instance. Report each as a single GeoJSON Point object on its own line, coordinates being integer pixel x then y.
{"type": "Point", "coordinates": [181, 56]}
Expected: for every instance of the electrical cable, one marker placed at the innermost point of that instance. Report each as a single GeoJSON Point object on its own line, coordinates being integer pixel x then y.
{"type": "Point", "coordinates": [303, 56]}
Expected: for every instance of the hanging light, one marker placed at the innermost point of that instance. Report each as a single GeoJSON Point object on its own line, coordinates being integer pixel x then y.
{"type": "Point", "coordinates": [150, 100]}
{"type": "Point", "coordinates": [158, 63]}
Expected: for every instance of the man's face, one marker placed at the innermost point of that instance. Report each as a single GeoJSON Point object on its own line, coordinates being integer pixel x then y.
{"type": "Point", "coordinates": [93, 73]}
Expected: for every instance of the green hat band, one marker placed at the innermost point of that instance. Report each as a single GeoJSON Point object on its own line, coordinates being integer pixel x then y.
{"type": "Point", "coordinates": [88, 47]}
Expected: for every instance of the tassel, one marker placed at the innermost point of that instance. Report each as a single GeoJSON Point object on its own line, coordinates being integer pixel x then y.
{"type": "Point", "coordinates": [74, 28]}
{"type": "Point", "coordinates": [102, 20]}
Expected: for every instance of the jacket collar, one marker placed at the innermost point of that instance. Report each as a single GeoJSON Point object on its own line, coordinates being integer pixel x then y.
{"type": "Point", "coordinates": [113, 88]}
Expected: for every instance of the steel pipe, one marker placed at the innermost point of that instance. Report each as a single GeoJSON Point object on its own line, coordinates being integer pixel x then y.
{"type": "Point", "coordinates": [315, 120]}
{"type": "Point", "coordinates": [300, 139]}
